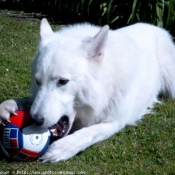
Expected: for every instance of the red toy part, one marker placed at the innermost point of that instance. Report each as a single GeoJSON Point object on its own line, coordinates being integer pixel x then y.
{"type": "Point", "coordinates": [22, 119]}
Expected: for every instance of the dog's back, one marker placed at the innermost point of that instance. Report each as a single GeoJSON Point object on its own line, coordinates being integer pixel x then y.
{"type": "Point", "coordinates": [157, 42]}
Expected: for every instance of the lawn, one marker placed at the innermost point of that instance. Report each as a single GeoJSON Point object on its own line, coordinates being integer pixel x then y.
{"type": "Point", "coordinates": [148, 148]}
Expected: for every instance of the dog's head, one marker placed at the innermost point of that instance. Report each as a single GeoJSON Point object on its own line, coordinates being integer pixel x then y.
{"type": "Point", "coordinates": [61, 75]}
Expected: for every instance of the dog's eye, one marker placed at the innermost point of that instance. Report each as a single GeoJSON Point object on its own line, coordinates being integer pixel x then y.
{"type": "Point", "coordinates": [62, 82]}
{"type": "Point", "coordinates": [38, 82]}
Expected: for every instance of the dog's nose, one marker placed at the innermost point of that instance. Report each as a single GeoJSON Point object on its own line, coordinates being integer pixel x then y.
{"type": "Point", "coordinates": [38, 120]}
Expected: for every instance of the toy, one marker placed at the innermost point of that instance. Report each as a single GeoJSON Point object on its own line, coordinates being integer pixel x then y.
{"type": "Point", "coordinates": [22, 140]}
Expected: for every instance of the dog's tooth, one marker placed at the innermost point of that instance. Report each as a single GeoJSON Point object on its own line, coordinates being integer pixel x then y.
{"type": "Point", "coordinates": [52, 130]}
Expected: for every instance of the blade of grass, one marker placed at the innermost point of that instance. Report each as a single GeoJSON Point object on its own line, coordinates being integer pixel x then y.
{"type": "Point", "coordinates": [171, 14]}
{"type": "Point", "coordinates": [160, 12]}
{"type": "Point", "coordinates": [133, 13]}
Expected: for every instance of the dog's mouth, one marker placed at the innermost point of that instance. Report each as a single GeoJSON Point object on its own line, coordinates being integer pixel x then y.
{"type": "Point", "coordinates": [59, 129]}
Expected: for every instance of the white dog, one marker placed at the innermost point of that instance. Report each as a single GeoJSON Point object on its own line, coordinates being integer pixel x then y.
{"type": "Point", "coordinates": [93, 81]}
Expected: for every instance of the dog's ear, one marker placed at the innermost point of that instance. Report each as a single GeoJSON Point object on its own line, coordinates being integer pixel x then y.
{"type": "Point", "coordinates": [45, 29]}
{"type": "Point", "coordinates": [98, 44]}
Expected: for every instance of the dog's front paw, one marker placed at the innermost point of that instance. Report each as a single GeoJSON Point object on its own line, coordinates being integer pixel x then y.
{"type": "Point", "coordinates": [6, 108]}
{"type": "Point", "coordinates": [62, 149]}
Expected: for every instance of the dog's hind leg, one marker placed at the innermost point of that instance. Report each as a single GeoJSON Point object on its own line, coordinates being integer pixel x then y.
{"type": "Point", "coordinates": [70, 145]}
{"type": "Point", "coordinates": [166, 59]}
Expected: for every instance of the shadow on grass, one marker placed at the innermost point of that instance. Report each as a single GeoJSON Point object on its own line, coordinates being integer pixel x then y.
{"type": "Point", "coordinates": [42, 10]}
{"type": "Point", "coordinates": [2, 155]}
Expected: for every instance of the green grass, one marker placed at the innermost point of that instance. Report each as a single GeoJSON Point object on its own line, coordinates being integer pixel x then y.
{"type": "Point", "coordinates": [148, 148]}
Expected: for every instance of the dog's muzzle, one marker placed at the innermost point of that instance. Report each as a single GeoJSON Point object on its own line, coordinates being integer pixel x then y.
{"type": "Point", "coordinates": [59, 129]}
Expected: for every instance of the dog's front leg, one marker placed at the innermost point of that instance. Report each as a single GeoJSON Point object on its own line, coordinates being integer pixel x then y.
{"type": "Point", "coordinates": [11, 106]}
{"type": "Point", "coordinates": [70, 145]}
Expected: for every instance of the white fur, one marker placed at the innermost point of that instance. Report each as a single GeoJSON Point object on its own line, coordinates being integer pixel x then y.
{"type": "Point", "coordinates": [115, 77]}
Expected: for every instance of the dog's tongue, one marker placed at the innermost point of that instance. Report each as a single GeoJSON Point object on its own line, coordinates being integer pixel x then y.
{"type": "Point", "coordinates": [60, 129]}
